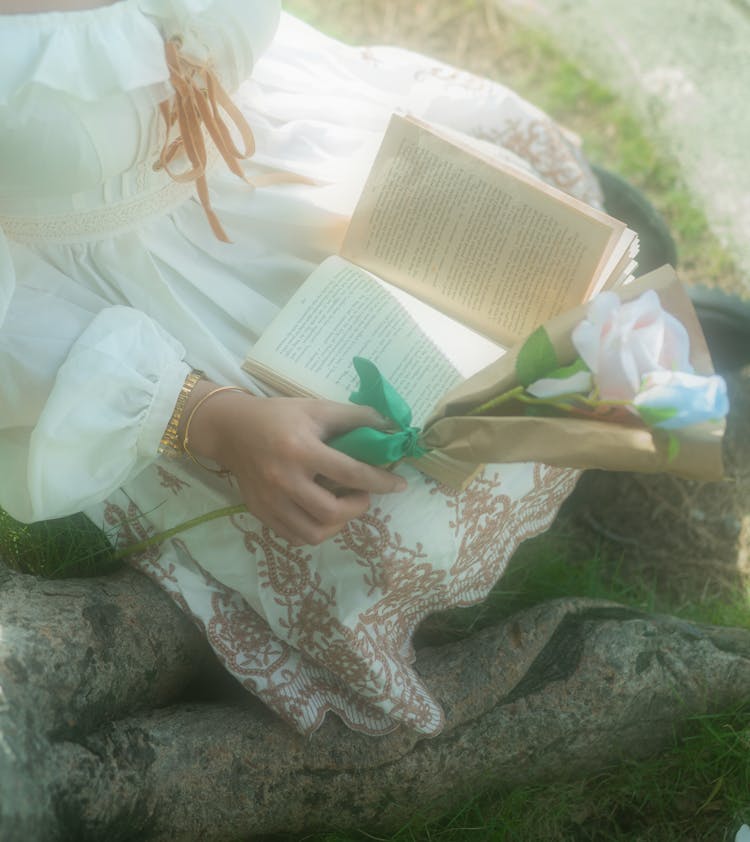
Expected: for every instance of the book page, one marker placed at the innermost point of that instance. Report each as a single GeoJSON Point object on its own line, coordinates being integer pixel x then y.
{"type": "Point", "coordinates": [482, 241]}
{"type": "Point", "coordinates": [341, 312]}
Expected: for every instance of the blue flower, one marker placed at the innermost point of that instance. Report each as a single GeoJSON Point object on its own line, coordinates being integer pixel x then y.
{"type": "Point", "coordinates": [671, 400]}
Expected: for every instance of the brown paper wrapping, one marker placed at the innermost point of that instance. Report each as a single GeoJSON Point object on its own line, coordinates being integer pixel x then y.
{"type": "Point", "coordinates": [578, 442]}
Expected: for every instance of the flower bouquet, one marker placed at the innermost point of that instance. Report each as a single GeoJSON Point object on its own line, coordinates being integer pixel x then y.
{"type": "Point", "coordinates": [624, 382]}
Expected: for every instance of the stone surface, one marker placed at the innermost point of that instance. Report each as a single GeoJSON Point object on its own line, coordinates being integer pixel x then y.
{"type": "Point", "coordinates": [75, 655]}
{"type": "Point", "coordinates": [561, 689]}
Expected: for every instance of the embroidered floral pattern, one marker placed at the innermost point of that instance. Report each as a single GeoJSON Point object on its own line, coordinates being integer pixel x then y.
{"type": "Point", "coordinates": [337, 622]}
{"type": "Point", "coordinates": [536, 141]}
{"type": "Point", "coordinates": [170, 480]}
{"type": "Point", "coordinates": [369, 539]}
{"type": "Point", "coordinates": [131, 528]}
{"type": "Point", "coordinates": [454, 77]}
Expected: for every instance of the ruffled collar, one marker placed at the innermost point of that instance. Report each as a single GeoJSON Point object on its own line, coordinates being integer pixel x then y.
{"type": "Point", "coordinates": [86, 53]}
{"type": "Point", "coordinates": [89, 53]}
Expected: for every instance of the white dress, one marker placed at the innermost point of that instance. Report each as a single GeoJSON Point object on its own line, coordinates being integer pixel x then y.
{"type": "Point", "coordinates": [113, 286]}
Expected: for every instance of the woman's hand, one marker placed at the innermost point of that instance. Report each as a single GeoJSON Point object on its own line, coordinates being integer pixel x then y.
{"type": "Point", "coordinates": [275, 448]}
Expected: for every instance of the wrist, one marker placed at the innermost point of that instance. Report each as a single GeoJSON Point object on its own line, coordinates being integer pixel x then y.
{"type": "Point", "coordinates": [209, 421]}
{"type": "Point", "coordinates": [200, 433]}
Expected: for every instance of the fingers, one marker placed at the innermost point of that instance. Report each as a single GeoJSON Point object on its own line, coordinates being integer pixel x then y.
{"type": "Point", "coordinates": [294, 525]}
{"type": "Point", "coordinates": [348, 472]}
{"type": "Point", "coordinates": [307, 453]}
{"type": "Point", "coordinates": [327, 508]}
{"type": "Point", "coordinates": [309, 515]}
{"type": "Point", "coordinates": [302, 511]}
{"type": "Point", "coordinates": [275, 448]}
{"type": "Point", "coordinates": [335, 513]}
{"type": "Point", "coordinates": [335, 418]}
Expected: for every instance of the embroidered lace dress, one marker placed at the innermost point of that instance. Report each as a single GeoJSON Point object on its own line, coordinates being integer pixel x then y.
{"type": "Point", "coordinates": [113, 285]}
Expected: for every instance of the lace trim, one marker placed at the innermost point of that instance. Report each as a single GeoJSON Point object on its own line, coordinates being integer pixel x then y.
{"type": "Point", "coordinates": [99, 222]}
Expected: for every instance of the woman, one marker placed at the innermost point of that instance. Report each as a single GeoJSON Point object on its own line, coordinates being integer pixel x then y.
{"type": "Point", "coordinates": [124, 308]}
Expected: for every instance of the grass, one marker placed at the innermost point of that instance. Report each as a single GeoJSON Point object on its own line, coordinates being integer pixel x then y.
{"type": "Point", "coordinates": [695, 793]}
{"type": "Point", "coordinates": [70, 546]}
{"type": "Point", "coordinates": [551, 567]}
{"type": "Point", "coordinates": [699, 789]}
{"type": "Point", "coordinates": [474, 35]}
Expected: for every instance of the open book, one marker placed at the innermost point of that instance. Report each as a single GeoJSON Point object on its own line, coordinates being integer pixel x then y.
{"type": "Point", "coordinates": [450, 258]}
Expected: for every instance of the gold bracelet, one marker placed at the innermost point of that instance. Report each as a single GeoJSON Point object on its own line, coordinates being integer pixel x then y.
{"type": "Point", "coordinates": [170, 444]}
{"type": "Point", "coordinates": [186, 434]}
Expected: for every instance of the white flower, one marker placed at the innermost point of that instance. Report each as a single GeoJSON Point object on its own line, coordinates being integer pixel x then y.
{"type": "Point", "coordinates": [743, 834]}
{"type": "Point", "coordinates": [674, 399]}
{"type": "Point", "coordinates": [621, 342]}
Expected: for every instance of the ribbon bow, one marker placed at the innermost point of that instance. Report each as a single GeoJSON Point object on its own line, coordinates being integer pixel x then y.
{"type": "Point", "coordinates": [198, 103]}
{"type": "Point", "coordinates": [378, 447]}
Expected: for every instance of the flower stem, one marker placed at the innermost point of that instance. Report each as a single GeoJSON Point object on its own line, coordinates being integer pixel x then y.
{"type": "Point", "coordinates": [160, 537]}
{"type": "Point", "coordinates": [563, 402]}
{"type": "Point", "coordinates": [495, 402]}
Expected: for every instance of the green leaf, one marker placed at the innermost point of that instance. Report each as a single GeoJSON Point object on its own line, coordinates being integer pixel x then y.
{"type": "Point", "coordinates": [652, 416]}
{"type": "Point", "coordinates": [536, 358]}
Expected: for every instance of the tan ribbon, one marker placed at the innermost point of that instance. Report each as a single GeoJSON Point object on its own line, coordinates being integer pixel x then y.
{"type": "Point", "coordinates": [198, 104]}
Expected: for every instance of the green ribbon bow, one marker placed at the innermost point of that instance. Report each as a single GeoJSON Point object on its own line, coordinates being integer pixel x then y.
{"type": "Point", "coordinates": [377, 447]}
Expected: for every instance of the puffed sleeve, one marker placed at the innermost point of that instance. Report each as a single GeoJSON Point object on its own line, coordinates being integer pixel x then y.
{"type": "Point", "coordinates": [86, 390]}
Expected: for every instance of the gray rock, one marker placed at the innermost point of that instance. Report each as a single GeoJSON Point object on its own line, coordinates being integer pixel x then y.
{"type": "Point", "coordinates": [559, 690]}
{"type": "Point", "coordinates": [74, 656]}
